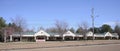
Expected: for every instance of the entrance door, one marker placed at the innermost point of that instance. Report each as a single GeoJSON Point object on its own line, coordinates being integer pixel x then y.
{"type": "Point", "coordinates": [41, 38]}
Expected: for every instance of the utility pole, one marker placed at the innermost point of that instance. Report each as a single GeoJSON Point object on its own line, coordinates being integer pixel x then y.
{"type": "Point", "coordinates": [92, 16]}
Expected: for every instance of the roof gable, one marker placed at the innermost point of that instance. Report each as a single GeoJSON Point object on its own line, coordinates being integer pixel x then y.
{"type": "Point", "coordinates": [108, 34]}
{"type": "Point", "coordinates": [89, 33]}
{"type": "Point", "coordinates": [41, 33]}
{"type": "Point", "coordinates": [68, 33]}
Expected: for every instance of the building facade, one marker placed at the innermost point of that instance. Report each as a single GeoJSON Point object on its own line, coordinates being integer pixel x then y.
{"type": "Point", "coordinates": [67, 36]}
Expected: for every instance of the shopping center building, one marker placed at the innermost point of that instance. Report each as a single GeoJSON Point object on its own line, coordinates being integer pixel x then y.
{"type": "Point", "coordinates": [67, 36]}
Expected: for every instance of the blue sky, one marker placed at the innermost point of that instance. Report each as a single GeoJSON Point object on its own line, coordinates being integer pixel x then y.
{"type": "Point", "coordinates": [44, 12]}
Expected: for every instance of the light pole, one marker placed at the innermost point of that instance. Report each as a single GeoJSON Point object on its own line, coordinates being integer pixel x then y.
{"type": "Point", "coordinates": [92, 16]}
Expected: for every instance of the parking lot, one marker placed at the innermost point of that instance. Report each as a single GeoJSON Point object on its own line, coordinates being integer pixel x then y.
{"type": "Point", "coordinates": [96, 45]}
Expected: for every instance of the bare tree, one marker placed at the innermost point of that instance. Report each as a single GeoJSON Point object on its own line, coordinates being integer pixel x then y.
{"type": "Point", "coordinates": [40, 28]}
{"type": "Point", "coordinates": [117, 28]}
{"type": "Point", "coordinates": [29, 30]}
{"type": "Point", "coordinates": [83, 28]}
{"type": "Point", "coordinates": [61, 27]}
{"type": "Point", "coordinates": [72, 30]}
{"type": "Point", "coordinates": [84, 25]}
{"type": "Point", "coordinates": [20, 23]}
{"type": "Point", "coordinates": [51, 30]}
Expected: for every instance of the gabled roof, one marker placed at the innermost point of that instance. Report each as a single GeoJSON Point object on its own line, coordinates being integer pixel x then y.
{"type": "Point", "coordinates": [41, 33]}
{"type": "Point", "coordinates": [89, 33]}
{"type": "Point", "coordinates": [78, 35]}
{"type": "Point", "coordinates": [24, 34]}
{"type": "Point", "coordinates": [115, 35]}
{"type": "Point", "coordinates": [99, 35]}
{"type": "Point", "coordinates": [54, 34]}
{"type": "Point", "coordinates": [68, 33]}
{"type": "Point", "coordinates": [108, 34]}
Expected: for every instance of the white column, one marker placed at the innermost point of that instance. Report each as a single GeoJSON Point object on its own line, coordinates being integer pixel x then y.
{"type": "Point", "coordinates": [11, 39]}
{"type": "Point", "coordinates": [35, 38]}
{"type": "Point", "coordinates": [117, 37]}
{"type": "Point", "coordinates": [47, 38]}
{"type": "Point", "coordinates": [104, 37]}
{"type": "Point", "coordinates": [111, 37]}
{"type": "Point", "coordinates": [73, 37]}
{"type": "Point", "coordinates": [86, 37]}
{"type": "Point", "coordinates": [55, 38]}
{"type": "Point", "coordinates": [63, 38]}
{"type": "Point", "coordinates": [5, 36]}
{"type": "Point", "coordinates": [94, 37]}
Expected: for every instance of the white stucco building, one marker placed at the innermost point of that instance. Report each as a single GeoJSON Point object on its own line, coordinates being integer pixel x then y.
{"type": "Point", "coordinates": [44, 36]}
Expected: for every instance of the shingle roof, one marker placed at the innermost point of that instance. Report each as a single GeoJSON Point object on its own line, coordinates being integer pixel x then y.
{"type": "Point", "coordinates": [25, 33]}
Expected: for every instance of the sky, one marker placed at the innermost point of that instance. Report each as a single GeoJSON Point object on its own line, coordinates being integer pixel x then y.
{"type": "Point", "coordinates": [43, 13]}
